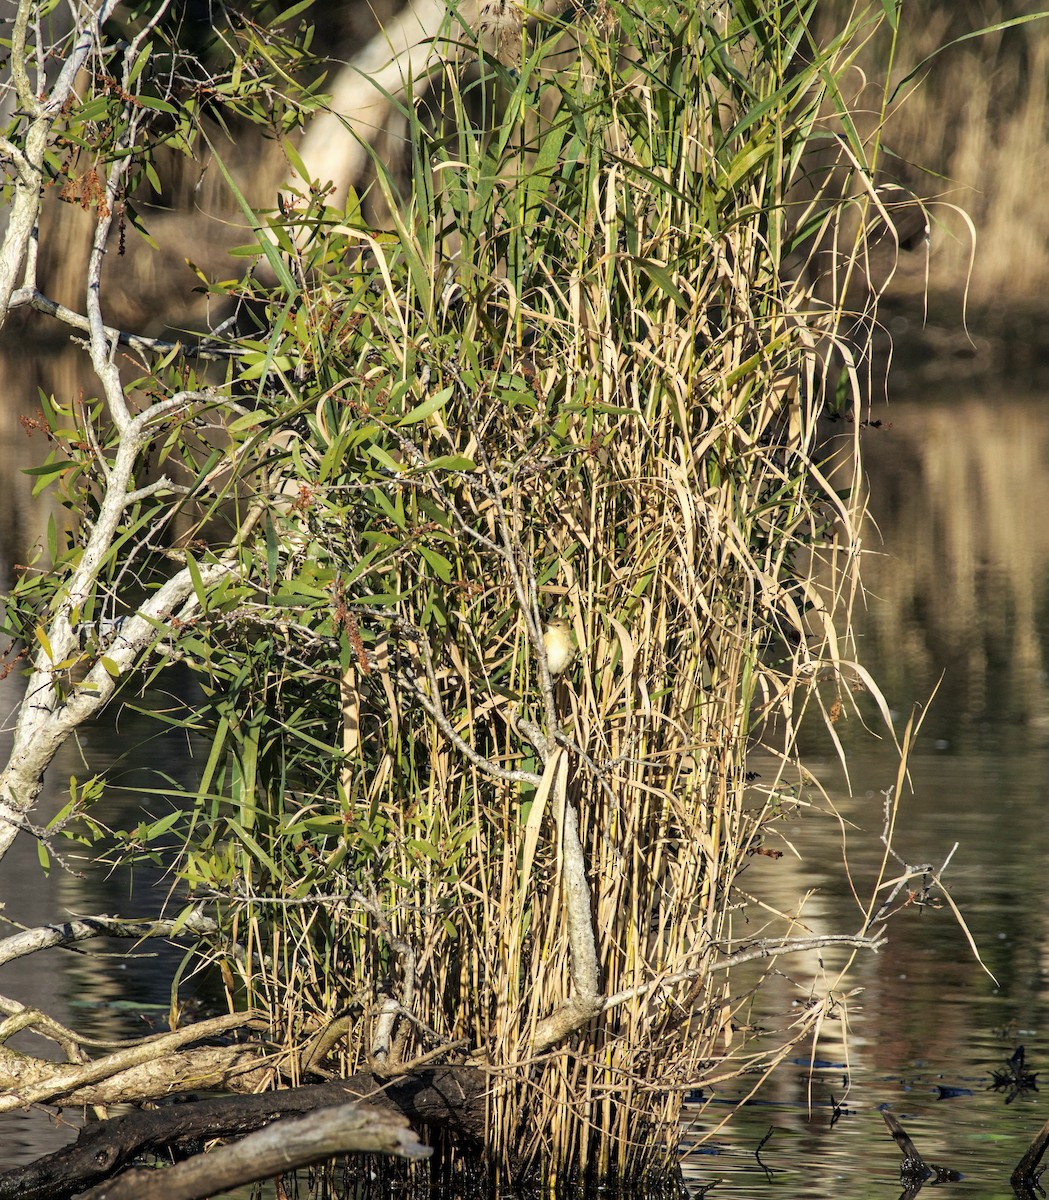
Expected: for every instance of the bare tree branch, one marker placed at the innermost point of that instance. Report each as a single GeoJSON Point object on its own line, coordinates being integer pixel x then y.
{"type": "Point", "coordinates": [281, 1147]}
{"type": "Point", "coordinates": [27, 297]}
{"type": "Point", "coordinates": [29, 159]}
{"type": "Point", "coordinates": [69, 933]}
{"type": "Point", "coordinates": [335, 145]}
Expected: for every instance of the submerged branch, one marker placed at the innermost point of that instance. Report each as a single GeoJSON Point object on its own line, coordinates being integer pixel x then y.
{"type": "Point", "coordinates": [451, 1098]}
{"type": "Point", "coordinates": [282, 1147]}
{"type": "Point", "coordinates": [1024, 1179]}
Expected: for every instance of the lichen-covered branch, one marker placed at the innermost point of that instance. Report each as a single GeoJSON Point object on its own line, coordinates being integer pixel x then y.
{"type": "Point", "coordinates": [27, 157]}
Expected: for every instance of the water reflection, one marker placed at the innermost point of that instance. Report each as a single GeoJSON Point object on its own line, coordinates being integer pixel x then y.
{"type": "Point", "coordinates": [97, 989]}
{"type": "Point", "coordinates": [958, 582]}
{"type": "Point", "coordinates": [92, 990]}
{"type": "Point", "coordinates": [924, 1028]}
{"type": "Point", "coordinates": [961, 584]}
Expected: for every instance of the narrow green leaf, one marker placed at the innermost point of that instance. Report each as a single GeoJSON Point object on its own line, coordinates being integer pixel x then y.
{"type": "Point", "coordinates": [45, 644]}
{"type": "Point", "coordinates": [272, 552]}
{"type": "Point", "coordinates": [269, 250]}
{"type": "Point", "coordinates": [140, 62]}
{"type": "Point", "coordinates": [297, 165]}
{"type": "Point", "coordinates": [158, 105]}
{"type": "Point", "coordinates": [452, 462]}
{"type": "Point", "coordinates": [254, 847]}
{"type": "Point", "coordinates": [440, 566]}
{"type": "Point", "coordinates": [182, 919]}
{"type": "Point", "coordinates": [162, 825]}
{"type": "Point", "coordinates": [891, 8]}
{"type": "Point", "coordinates": [997, 27]}
{"type": "Point", "coordinates": [48, 469]}
{"type": "Point", "coordinates": [427, 408]}
{"type": "Point", "coordinates": [197, 581]}
{"type": "Point", "coordinates": [288, 13]}
{"type": "Point", "coordinates": [662, 278]}
{"type": "Point", "coordinates": [383, 457]}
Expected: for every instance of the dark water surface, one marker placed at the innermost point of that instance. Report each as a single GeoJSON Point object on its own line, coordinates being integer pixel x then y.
{"type": "Point", "coordinates": [958, 582]}
{"type": "Point", "coordinates": [926, 1030]}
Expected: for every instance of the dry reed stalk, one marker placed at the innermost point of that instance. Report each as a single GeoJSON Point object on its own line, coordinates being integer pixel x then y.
{"type": "Point", "coordinates": [571, 376]}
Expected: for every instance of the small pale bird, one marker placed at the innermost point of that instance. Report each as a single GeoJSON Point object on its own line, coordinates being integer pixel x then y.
{"type": "Point", "coordinates": [560, 645]}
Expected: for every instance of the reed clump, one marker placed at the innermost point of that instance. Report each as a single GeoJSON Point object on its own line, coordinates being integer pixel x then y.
{"type": "Point", "coordinates": [579, 373]}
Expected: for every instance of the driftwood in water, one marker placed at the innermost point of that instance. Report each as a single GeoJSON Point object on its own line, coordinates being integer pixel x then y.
{"type": "Point", "coordinates": [449, 1098]}
{"type": "Point", "coordinates": [281, 1147]}
{"type": "Point", "coordinates": [912, 1162]}
{"type": "Point", "coordinates": [1024, 1179]}
{"type": "Point", "coordinates": [914, 1170]}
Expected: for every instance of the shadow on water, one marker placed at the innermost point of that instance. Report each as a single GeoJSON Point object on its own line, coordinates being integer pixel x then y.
{"type": "Point", "coordinates": [958, 582]}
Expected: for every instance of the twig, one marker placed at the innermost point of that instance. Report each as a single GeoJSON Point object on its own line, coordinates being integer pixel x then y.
{"type": "Point", "coordinates": [771, 948]}
{"type": "Point", "coordinates": [432, 705]}
{"type": "Point", "coordinates": [33, 298]}
{"type": "Point", "coordinates": [769, 1173]}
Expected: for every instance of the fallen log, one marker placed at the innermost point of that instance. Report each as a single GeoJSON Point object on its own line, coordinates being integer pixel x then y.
{"type": "Point", "coordinates": [282, 1147]}
{"type": "Point", "coordinates": [446, 1097]}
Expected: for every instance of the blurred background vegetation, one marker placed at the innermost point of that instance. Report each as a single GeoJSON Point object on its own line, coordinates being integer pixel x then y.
{"type": "Point", "coordinates": [969, 132]}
